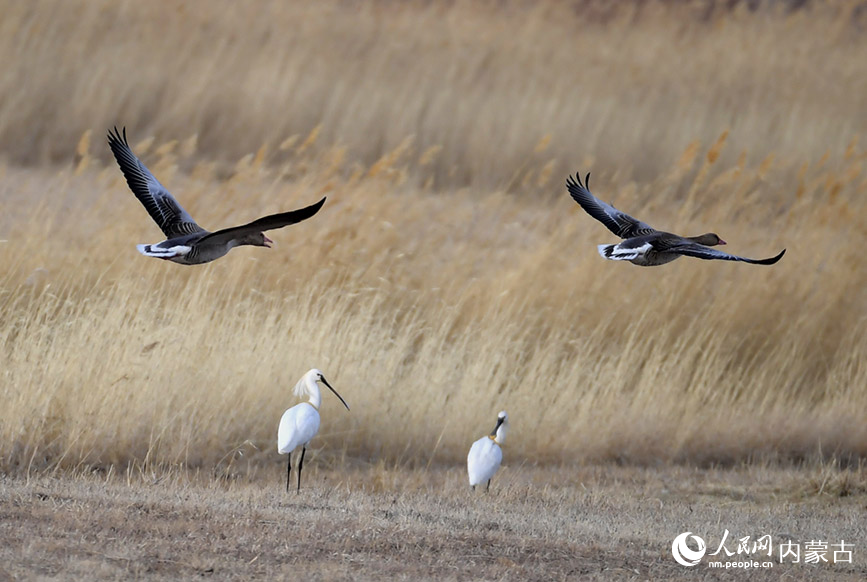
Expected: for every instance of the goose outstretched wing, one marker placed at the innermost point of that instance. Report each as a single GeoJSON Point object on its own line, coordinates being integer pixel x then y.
{"type": "Point", "coordinates": [702, 252]}
{"type": "Point", "coordinates": [617, 222]}
{"type": "Point", "coordinates": [262, 224]}
{"type": "Point", "coordinates": [172, 219]}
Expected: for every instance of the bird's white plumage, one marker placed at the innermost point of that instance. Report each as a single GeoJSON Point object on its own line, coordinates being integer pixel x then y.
{"type": "Point", "coordinates": [616, 252]}
{"type": "Point", "coordinates": [163, 253]}
{"type": "Point", "coordinates": [307, 386]}
{"type": "Point", "coordinates": [299, 424]}
{"type": "Point", "coordinates": [486, 455]}
{"type": "Point", "coordinates": [297, 428]}
{"type": "Point", "coordinates": [484, 460]}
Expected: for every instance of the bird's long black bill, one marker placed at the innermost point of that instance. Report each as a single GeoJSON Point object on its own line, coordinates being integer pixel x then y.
{"type": "Point", "coordinates": [335, 393]}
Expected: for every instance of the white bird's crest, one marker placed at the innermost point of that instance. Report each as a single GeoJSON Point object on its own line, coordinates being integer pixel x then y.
{"type": "Point", "coordinates": [301, 387]}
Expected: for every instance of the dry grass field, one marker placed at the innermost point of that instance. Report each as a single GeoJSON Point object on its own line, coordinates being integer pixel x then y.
{"type": "Point", "coordinates": [448, 276]}
{"type": "Point", "coordinates": [588, 523]}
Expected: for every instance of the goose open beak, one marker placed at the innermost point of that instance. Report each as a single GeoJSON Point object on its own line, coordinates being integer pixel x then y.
{"type": "Point", "coordinates": [324, 381]}
{"type": "Point", "coordinates": [268, 241]}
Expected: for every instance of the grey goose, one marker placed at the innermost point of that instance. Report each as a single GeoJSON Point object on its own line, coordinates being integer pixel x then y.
{"type": "Point", "coordinates": [643, 245]}
{"type": "Point", "coordinates": [186, 242]}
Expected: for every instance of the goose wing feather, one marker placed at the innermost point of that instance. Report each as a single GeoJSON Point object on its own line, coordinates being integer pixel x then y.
{"type": "Point", "coordinates": [702, 252]}
{"type": "Point", "coordinates": [170, 216]}
{"type": "Point", "coordinates": [262, 224]}
{"type": "Point", "coordinates": [616, 221]}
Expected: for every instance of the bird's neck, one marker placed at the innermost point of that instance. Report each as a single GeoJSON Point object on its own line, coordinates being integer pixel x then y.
{"type": "Point", "coordinates": [500, 435]}
{"type": "Point", "coordinates": [312, 390]}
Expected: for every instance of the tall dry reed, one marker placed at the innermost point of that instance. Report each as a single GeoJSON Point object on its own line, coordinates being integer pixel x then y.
{"type": "Point", "coordinates": [627, 88]}
{"type": "Point", "coordinates": [449, 275]}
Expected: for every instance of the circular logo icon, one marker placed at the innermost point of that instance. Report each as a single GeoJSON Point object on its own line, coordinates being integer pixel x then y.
{"type": "Point", "coordinates": [683, 554]}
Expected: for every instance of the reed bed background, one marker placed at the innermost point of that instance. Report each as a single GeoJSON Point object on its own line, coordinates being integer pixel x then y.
{"type": "Point", "coordinates": [449, 275]}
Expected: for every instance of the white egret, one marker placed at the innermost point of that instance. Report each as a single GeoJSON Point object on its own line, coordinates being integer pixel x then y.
{"type": "Point", "coordinates": [486, 455]}
{"type": "Point", "coordinates": [300, 423]}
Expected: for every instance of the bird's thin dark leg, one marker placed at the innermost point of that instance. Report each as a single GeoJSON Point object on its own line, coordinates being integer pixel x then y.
{"type": "Point", "coordinates": [472, 487]}
{"type": "Point", "coordinates": [488, 486]}
{"type": "Point", "coordinates": [288, 470]}
{"type": "Point", "coordinates": [300, 464]}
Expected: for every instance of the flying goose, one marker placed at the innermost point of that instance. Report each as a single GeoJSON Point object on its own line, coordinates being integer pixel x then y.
{"type": "Point", "coordinates": [187, 243]}
{"type": "Point", "coordinates": [644, 245]}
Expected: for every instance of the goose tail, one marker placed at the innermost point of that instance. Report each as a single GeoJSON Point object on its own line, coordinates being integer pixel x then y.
{"type": "Point", "coordinates": [161, 252]}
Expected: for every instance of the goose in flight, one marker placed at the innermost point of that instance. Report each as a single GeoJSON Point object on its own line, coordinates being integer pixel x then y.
{"type": "Point", "coordinates": [643, 245]}
{"type": "Point", "coordinates": [186, 242]}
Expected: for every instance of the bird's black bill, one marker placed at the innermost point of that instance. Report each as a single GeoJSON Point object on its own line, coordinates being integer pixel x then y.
{"type": "Point", "coordinates": [335, 393]}
{"type": "Point", "coordinates": [499, 422]}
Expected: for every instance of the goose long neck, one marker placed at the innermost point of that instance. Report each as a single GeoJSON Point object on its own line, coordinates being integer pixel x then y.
{"type": "Point", "coordinates": [708, 239]}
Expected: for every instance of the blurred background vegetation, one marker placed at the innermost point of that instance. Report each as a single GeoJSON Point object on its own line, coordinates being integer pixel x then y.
{"type": "Point", "coordinates": [449, 275]}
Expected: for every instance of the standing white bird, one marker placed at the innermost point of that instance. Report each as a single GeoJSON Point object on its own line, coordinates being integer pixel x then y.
{"type": "Point", "coordinates": [300, 423]}
{"type": "Point", "coordinates": [486, 455]}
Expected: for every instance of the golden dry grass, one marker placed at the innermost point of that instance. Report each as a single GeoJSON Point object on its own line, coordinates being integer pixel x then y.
{"type": "Point", "coordinates": [448, 275]}
{"type": "Point", "coordinates": [500, 88]}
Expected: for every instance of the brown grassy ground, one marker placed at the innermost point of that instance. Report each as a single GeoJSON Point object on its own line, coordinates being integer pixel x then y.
{"type": "Point", "coordinates": [592, 523]}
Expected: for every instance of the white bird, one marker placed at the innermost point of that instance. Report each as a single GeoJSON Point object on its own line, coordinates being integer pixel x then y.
{"type": "Point", "coordinates": [300, 423]}
{"type": "Point", "coordinates": [486, 455]}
